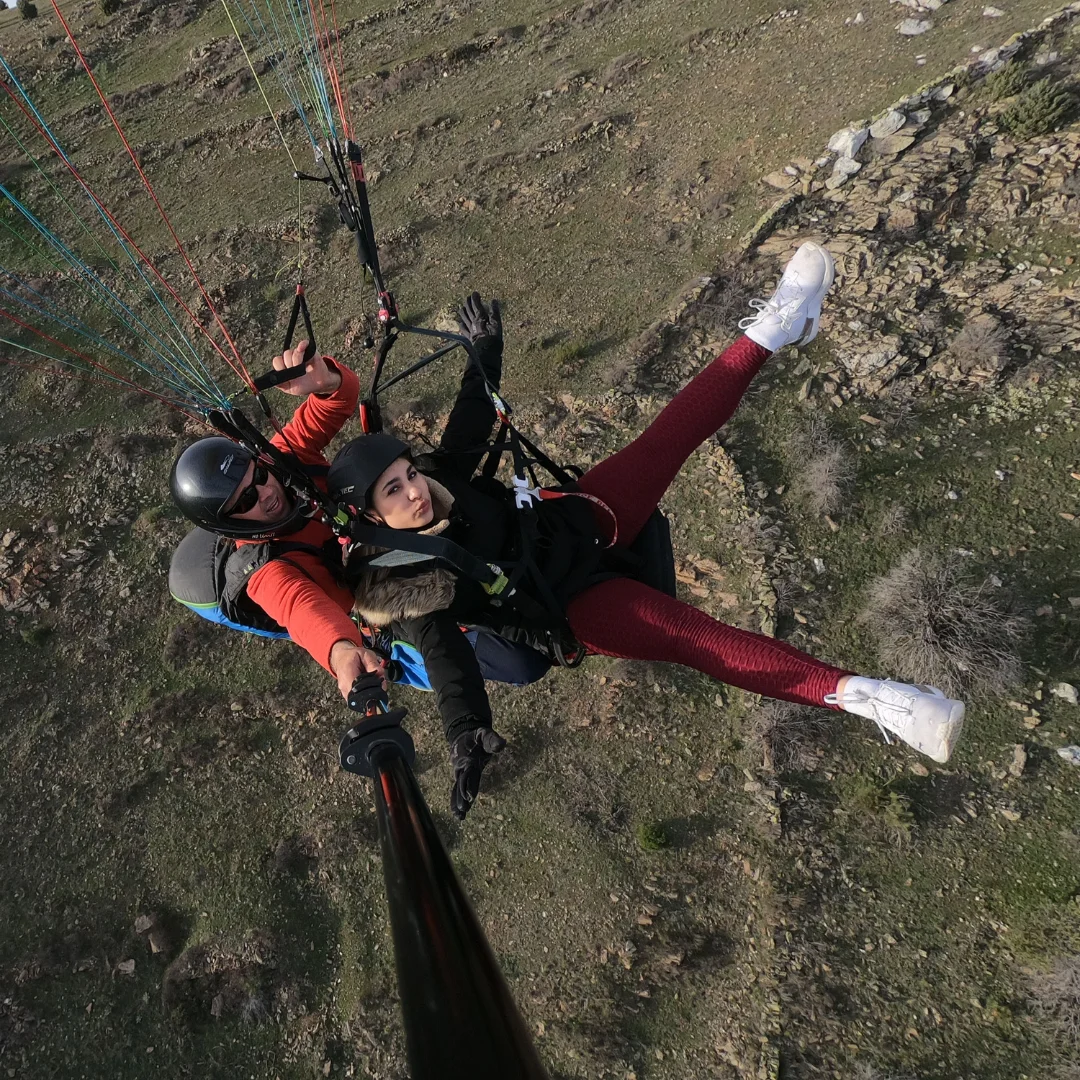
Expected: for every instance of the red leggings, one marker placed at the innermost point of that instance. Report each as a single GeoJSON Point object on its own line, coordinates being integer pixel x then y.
{"type": "Point", "coordinates": [624, 618]}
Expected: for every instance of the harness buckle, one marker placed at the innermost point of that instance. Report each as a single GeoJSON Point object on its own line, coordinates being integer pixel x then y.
{"type": "Point", "coordinates": [496, 587]}
{"type": "Point", "coordinates": [524, 496]}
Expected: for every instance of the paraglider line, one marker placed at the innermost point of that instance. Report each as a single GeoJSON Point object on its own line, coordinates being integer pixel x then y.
{"type": "Point", "coordinates": [238, 367]}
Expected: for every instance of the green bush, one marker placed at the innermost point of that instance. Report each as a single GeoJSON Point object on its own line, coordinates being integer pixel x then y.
{"type": "Point", "coordinates": [1041, 108]}
{"type": "Point", "coordinates": [1007, 82]}
{"type": "Point", "coordinates": [27, 9]}
{"type": "Point", "coordinates": [110, 7]}
{"type": "Point", "coordinates": [651, 836]}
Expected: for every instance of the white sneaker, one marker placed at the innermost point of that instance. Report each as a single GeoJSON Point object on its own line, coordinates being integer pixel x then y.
{"type": "Point", "coordinates": [920, 715]}
{"type": "Point", "coordinates": [790, 316]}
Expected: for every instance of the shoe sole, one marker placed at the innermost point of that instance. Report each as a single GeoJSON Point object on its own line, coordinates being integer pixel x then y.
{"type": "Point", "coordinates": [951, 733]}
{"type": "Point", "coordinates": [814, 316]}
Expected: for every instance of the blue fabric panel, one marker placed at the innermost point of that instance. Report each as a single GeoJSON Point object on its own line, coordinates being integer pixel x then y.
{"type": "Point", "coordinates": [213, 614]}
{"type": "Point", "coordinates": [413, 672]}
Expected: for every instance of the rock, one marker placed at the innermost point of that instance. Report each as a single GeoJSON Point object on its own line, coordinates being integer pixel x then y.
{"type": "Point", "coordinates": [903, 218]}
{"type": "Point", "coordinates": [888, 124]}
{"type": "Point", "coordinates": [944, 92]}
{"type": "Point", "coordinates": [1016, 766]}
{"type": "Point", "coordinates": [1071, 754]}
{"type": "Point", "coordinates": [914, 27]}
{"type": "Point", "coordinates": [1007, 814]}
{"type": "Point", "coordinates": [780, 181]}
{"type": "Point", "coordinates": [844, 168]}
{"type": "Point", "coordinates": [126, 967]}
{"type": "Point", "coordinates": [858, 20]}
{"type": "Point", "coordinates": [848, 141]}
{"type": "Point", "coordinates": [892, 145]}
{"type": "Point", "coordinates": [993, 12]}
{"type": "Point", "coordinates": [870, 356]}
{"type": "Point", "coordinates": [1065, 691]}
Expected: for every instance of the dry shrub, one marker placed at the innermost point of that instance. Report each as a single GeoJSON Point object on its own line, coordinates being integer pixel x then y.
{"type": "Point", "coordinates": [935, 624]}
{"type": "Point", "coordinates": [868, 1072]}
{"type": "Point", "coordinates": [894, 519]}
{"type": "Point", "coordinates": [823, 469]}
{"type": "Point", "coordinates": [620, 71]}
{"type": "Point", "coordinates": [209, 980]}
{"type": "Point", "coordinates": [727, 299]}
{"type": "Point", "coordinates": [1055, 994]}
{"type": "Point", "coordinates": [789, 736]}
{"type": "Point", "coordinates": [983, 344]}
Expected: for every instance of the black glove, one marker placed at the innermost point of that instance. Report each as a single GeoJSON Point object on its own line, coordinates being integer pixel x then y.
{"type": "Point", "coordinates": [477, 322]}
{"type": "Point", "coordinates": [368, 692]}
{"type": "Point", "coordinates": [469, 753]}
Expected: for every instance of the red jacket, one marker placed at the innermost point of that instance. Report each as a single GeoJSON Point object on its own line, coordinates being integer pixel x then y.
{"type": "Point", "coordinates": [314, 609]}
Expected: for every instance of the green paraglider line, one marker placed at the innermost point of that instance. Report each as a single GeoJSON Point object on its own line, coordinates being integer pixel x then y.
{"type": "Point", "coordinates": [32, 114]}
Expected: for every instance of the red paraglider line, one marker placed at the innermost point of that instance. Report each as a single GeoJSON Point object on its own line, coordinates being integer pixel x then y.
{"type": "Point", "coordinates": [341, 66]}
{"type": "Point", "coordinates": [322, 40]}
{"type": "Point", "coordinates": [241, 370]}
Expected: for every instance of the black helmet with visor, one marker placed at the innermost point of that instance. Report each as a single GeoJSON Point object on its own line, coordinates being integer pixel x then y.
{"type": "Point", "coordinates": [206, 476]}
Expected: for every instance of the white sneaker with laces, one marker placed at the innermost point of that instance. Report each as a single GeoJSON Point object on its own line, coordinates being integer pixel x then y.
{"type": "Point", "coordinates": [790, 316]}
{"type": "Point", "coordinates": [920, 715]}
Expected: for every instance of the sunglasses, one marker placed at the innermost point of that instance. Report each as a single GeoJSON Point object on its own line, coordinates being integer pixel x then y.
{"type": "Point", "coordinates": [247, 498]}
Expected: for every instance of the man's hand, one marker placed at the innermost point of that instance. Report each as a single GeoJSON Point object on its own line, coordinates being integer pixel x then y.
{"type": "Point", "coordinates": [469, 753]}
{"type": "Point", "coordinates": [317, 377]}
{"type": "Point", "coordinates": [477, 322]}
{"type": "Point", "coordinates": [350, 661]}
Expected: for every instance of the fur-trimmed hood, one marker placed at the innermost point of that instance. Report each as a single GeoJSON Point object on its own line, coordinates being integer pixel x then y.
{"type": "Point", "coordinates": [383, 595]}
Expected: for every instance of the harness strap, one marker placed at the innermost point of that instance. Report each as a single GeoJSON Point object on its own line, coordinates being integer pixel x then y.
{"type": "Point", "coordinates": [431, 547]}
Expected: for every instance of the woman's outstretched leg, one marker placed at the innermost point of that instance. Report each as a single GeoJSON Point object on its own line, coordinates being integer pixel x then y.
{"type": "Point", "coordinates": [633, 480]}
{"type": "Point", "coordinates": [625, 618]}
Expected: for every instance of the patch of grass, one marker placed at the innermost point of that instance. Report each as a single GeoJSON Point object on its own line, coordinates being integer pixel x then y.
{"type": "Point", "coordinates": [1041, 108]}
{"type": "Point", "coordinates": [934, 624]}
{"type": "Point", "coordinates": [36, 635]}
{"type": "Point", "coordinates": [878, 805]}
{"type": "Point", "coordinates": [567, 356]}
{"type": "Point", "coordinates": [651, 836]}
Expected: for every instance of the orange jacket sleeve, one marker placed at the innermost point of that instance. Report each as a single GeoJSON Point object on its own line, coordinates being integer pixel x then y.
{"type": "Point", "coordinates": [310, 608]}
{"type": "Point", "coordinates": [318, 419]}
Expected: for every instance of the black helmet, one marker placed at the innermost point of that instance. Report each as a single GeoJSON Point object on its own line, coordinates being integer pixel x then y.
{"type": "Point", "coordinates": [204, 478]}
{"type": "Point", "coordinates": [360, 463]}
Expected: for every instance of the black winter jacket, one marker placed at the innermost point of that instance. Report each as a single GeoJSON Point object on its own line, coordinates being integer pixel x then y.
{"type": "Point", "coordinates": [429, 606]}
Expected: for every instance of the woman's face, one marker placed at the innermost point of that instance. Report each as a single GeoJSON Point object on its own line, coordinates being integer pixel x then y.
{"type": "Point", "coordinates": [401, 498]}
